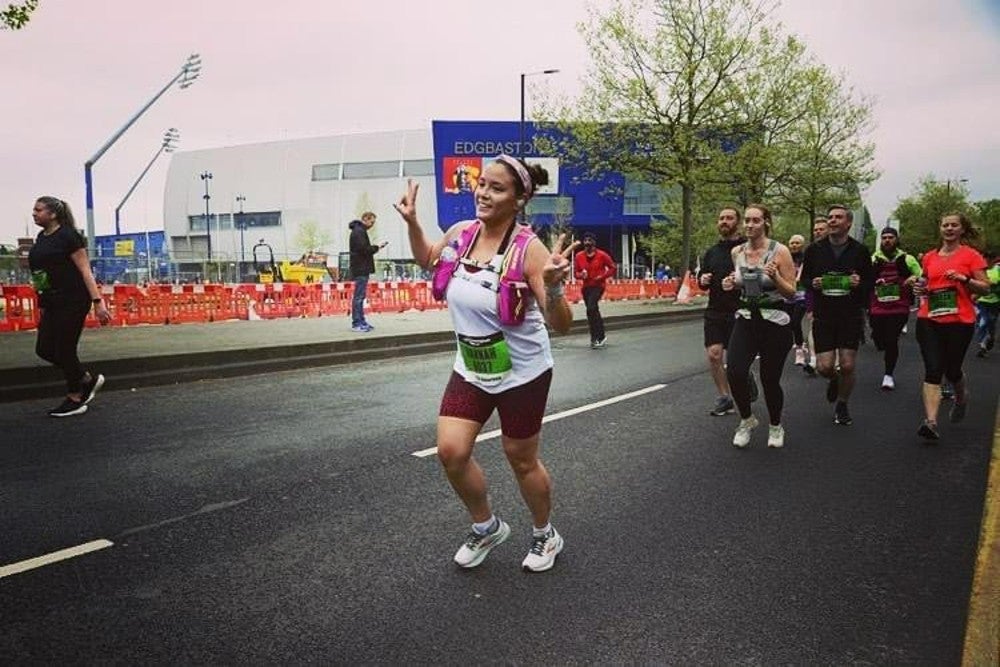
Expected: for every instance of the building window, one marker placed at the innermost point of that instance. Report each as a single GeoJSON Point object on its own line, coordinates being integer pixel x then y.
{"type": "Point", "coordinates": [371, 169]}
{"type": "Point", "coordinates": [196, 223]}
{"type": "Point", "coordinates": [418, 167]}
{"type": "Point", "coordinates": [548, 205]}
{"type": "Point", "coordinates": [642, 199]}
{"type": "Point", "coordinates": [326, 172]}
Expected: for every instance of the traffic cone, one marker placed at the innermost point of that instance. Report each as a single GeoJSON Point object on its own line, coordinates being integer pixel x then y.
{"type": "Point", "coordinates": [684, 291]}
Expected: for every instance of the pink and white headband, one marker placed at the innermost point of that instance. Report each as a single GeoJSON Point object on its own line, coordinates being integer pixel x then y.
{"type": "Point", "coordinates": [522, 173]}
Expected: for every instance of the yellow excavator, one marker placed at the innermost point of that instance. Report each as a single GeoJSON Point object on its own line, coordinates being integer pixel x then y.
{"type": "Point", "coordinates": [308, 269]}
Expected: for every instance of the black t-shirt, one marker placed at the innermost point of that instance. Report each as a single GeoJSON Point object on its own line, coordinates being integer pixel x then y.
{"type": "Point", "coordinates": [54, 275]}
{"type": "Point", "coordinates": [718, 261]}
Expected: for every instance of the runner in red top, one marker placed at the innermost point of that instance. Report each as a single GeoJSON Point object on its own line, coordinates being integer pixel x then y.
{"type": "Point", "coordinates": [593, 266]}
{"type": "Point", "coordinates": [946, 318]}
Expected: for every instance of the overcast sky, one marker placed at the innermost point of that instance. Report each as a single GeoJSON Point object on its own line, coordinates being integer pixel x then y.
{"type": "Point", "coordinates": [82, 68]}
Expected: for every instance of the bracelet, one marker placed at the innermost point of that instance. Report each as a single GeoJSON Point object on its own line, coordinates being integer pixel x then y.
{"type": "Point", "coordinates": [553, 292]}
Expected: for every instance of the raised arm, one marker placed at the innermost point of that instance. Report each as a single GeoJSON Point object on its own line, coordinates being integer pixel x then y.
{"type": "Point", "coordinates": [545, 272]}
{"type": "Point", "coordinates": [424, 251]}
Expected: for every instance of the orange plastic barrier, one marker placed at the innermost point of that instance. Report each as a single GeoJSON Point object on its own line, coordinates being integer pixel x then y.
{"type": "Point", "coordinates": [131, 305]}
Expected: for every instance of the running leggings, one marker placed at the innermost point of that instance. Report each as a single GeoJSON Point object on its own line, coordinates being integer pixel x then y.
{"type": "Point", "coordinates": [58, 335]}
{"type": "Point", "coordinates": [798, 313]}
{"type": "Point", "coordinates": [943, 348]}
{"type": "Point", "coordinates": [886, 330]}
{"type": "Point", "coordinates": [772, 342]}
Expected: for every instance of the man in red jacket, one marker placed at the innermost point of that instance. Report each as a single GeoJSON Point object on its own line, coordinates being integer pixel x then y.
{"type": "Point", "coordinates": [593, 267]}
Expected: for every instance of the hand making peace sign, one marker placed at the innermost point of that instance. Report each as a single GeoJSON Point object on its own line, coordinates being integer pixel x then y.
{"type": "Point", "coordinates": [557, 267]}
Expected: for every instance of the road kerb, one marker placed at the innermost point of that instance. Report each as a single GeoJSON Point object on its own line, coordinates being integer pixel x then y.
{"type": "Point", "coordinates": [982, 630]}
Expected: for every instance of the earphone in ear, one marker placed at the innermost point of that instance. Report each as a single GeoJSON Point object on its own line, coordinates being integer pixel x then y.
{"type": "Point", "coordinates": [520, 203]}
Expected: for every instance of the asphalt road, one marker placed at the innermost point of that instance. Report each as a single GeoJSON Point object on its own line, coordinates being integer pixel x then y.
{"type": "Point", "coordinates": [283, 518]}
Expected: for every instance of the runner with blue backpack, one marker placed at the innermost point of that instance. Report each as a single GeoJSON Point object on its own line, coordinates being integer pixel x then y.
{"type": "Point", "coordinates": [502, 286]}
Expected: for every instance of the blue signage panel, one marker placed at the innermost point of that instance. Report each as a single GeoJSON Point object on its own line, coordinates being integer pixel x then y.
{"type": "Point", "coordinates": [463, 148]}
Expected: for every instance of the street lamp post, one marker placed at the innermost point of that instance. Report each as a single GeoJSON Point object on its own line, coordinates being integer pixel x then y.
{"type": "Point", "coordinates": [520, 145]}
{"type": "Point", "coordinates": [959, 181]}
{"type": "Point", "coordinates": [206, 176]}
{"type": "Point", "coordinates": [170, 139]}
{"type": "Point", "coordinates": [243, 249]}
{"type": "Point", "coordinates": [189, 72]}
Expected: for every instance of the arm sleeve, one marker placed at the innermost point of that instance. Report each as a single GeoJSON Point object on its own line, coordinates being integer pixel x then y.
{"type": "Point", "coordinates": [914, 266]}
{"type": "Point", "coordinates": [609, 266]}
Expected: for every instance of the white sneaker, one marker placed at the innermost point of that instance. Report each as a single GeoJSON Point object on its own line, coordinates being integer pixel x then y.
{"type": "Point", "coordinates": [888, 384]}
{"type": "Point", "coordinates": [543, 552]}
{"type": "Point", "coordinates": [477, 546]}
{"type": "Point", "coordinates": [775, 436]}
{"type": "Point", "coordinates": [800, 357]}
{"type": "Point", "coordinates": [742, 437]}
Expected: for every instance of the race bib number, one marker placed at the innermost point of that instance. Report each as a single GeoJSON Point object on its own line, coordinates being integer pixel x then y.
{"type": "Point", "coordinates": [942, 302]}
{"type": "Point", "coordinates": [487, 357]}
{"type": "Point", "coordinates": [40, 281]}
{"type": "Point", "coordinates": [887, 293]}
{"type": "Point", "coordinates": [836, 284]}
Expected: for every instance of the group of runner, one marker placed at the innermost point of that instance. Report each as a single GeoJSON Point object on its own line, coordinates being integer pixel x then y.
{"type": "Point", "coordinates": [503, 286]}
{"type": "Point", "coordinates": [762, 294]}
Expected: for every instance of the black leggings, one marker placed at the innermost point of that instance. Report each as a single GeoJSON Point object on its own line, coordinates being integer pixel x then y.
{"type": "Point", "coordinates": [943, 348]}
{"type": "Point", "coordinates": [58, 335]}
{"type": "Point", "coordinates": [592, 297]}
{"type": "Point", "coordinates": [798, 313]}
{"type": "Point", "coordinates": [750, 338]}
{"type": "Point", "coordinates": [886, 330]}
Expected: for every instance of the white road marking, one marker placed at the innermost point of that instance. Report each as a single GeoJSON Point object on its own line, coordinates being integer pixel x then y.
{"type": "Point", "coordinates": [489, 435]}
{"type": "Point", "coordinates": [54, 557]}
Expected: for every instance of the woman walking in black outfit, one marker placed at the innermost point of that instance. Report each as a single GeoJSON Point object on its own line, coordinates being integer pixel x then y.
{"type": "Point", "coordinates": [61, 275]}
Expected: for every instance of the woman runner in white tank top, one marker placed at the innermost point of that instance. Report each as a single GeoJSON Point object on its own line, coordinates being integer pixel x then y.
{"type": "Point", "coordinates": [503, 367]}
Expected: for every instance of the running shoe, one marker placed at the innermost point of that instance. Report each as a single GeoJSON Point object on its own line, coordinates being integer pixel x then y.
{"type": "Point", "coordinates": [810, 370]}
{"type": "Point", "coordinates": [68, 408]}
{"type": "Point", "coordinates": [742, 436]}
{"type": "Point", "coordinates": [888, 383]}
{"type": "Point", "coordinates": [600, 342]}
{"type": "Point", "coordinates": [723, 406]}
{"type": "Point", "coordinates": [90, 389]}
{"type": "Point", "coordinates": [369, 325]}
{"type": "Point", "coordinates": [754, 390]}
{"type": "Point", "coordinates": [542, 554]}
{"type": "Point", "coordinates": [800, 357]}
{"type": "Point", "coordinates": [361, 328]}
{"type": "Point", "coordinates": [478, 546]}
{"type": "Point", "coordinates": [833, 388]}
{"type": "Point", "coordinates": [776, 436]}
{"type": "Point", "coordinates": [841, 415]}
{"type": "Point", "coordinates": [928, 430]}
{"type": "Point", "coordinates": [957, 412]}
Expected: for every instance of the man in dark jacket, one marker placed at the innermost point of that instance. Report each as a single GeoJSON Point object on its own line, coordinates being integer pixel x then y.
{"type": "Point", "coordinates": [362, 266]}
{"type": "Point", "coordinates": [720, 314]}
{"type": "Point", "coordinates": [838, 272]}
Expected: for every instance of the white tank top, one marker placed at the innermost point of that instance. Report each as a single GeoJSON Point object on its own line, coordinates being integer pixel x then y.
{"type": "Point", "coordinates": [491, 356]}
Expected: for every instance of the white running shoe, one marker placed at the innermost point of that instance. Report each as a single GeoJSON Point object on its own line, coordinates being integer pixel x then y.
{"type": "Point", "coordinates": [742, 437]}
{"type": "Point", "coordinates": [543, 552]}
{"type": "Point", "coordinates": [477, 546]}
{"type": "Point", "coordinates": [800, 357]}
{"type": "Point", "coordinates": [775, 436]}
{"type": "Point", "coordinates": [888, 383]}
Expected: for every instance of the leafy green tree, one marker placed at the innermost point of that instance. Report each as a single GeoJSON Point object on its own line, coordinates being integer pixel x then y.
{"type": "Point", "coordinates": [16, 16]}
{"type": "Point", "coordinates": [919, 214]}
{"type": "Point", "coordinates": [988, 218]}
{"type": "Point", "coordinates": [312, 237]}
{"type": "Point", "coordinates": [654, 101]}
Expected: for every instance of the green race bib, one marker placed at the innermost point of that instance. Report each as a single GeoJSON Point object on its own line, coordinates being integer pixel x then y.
{"type": "Point", "coordinates": [40, 281]}
{"type": "Point", "coordinates": [887, 293]}
{"type": "Point", "coordinates": [836, 284]}
{"type": "Point", "coordinates": [942, 302]}
{"type": "Point", "coordinates": [488, 357]}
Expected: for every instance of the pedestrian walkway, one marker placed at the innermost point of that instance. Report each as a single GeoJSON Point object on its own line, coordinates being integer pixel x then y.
{"type": "Point", "coordinates": [158, 354]}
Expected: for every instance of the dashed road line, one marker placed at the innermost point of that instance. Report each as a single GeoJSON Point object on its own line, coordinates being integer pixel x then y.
{"type": "Point", "coordinates": [489, 435]}
{"type": "Point", "coordinates": [54, 557]}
